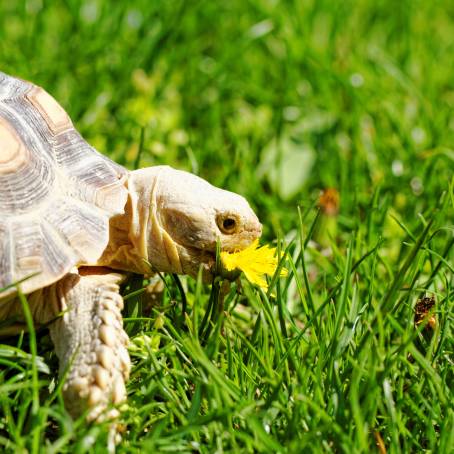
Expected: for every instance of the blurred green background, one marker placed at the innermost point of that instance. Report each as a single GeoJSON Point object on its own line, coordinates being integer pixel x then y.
{"type": "Point", "coordinates": [275, 100]}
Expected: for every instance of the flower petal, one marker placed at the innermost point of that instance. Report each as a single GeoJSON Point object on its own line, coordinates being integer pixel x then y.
{"type": "Point", "coordinates": [255, 262]}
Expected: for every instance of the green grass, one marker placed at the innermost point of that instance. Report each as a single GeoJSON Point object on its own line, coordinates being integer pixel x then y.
{"type": "Point", "coordinates": [277, 101]}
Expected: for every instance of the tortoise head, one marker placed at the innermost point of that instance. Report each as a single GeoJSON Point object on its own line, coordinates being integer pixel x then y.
{"type": "Point", "coordinates": [183, 216]}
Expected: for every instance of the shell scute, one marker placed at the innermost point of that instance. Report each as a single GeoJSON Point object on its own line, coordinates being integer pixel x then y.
{"type": "Point", "coordinates": [5, 255]}
{"type": "Point", "coordinates": [52, 113]}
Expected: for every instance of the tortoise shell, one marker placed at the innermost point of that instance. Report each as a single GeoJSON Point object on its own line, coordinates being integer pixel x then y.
{"type": "Point", "coordinates": [57, 193]}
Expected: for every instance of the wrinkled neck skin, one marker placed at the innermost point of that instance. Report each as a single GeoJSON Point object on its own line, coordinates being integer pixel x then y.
{"type": "Point", "coordinates": [153, 243]}
{"type": "Point", "coordinates": [137, 238]}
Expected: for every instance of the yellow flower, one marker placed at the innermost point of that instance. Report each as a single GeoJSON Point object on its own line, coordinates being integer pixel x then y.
{"type": "Point", "coordinates": [254, 262]}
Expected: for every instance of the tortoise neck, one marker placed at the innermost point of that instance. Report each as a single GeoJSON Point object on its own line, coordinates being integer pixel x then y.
{"type": "Point", "coordinates": [138, 242]}
{"type": "Point", "coordinates": [128, 233]}
{"type": "Point", "coordinates": [123, 252]}
{"type": "Point", "coordinates": [157, 249]}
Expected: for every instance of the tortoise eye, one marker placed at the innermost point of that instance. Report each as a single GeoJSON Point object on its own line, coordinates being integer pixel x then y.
{"type": "Point", "coordinates": [227, 225]}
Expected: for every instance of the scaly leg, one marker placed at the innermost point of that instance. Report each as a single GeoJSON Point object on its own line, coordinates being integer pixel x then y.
{"type": "Point", "coordinates": [90, 341]}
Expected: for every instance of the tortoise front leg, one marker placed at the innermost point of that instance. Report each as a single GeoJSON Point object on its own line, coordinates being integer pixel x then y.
{"type": "Point", "coordinates": [90, 341]}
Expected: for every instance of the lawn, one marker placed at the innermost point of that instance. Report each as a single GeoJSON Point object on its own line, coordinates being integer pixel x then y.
{"type": "Point", "coordinates": [335, 120]}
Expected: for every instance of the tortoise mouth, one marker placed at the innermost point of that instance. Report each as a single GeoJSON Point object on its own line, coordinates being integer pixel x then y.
{"type": "Point", "coordinates": [206, 260]}
{"type": "Point", "coordinates": [193, 258]}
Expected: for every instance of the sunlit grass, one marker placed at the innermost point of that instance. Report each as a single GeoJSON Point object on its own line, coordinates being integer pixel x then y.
{"type": "Point", "coordinates": [278, 102]}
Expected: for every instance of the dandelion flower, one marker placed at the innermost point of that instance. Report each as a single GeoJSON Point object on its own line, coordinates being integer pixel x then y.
{"type": "Point", "coordinates": [254, 261]}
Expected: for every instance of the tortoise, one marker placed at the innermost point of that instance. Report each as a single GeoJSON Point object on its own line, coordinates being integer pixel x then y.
{"type": "Point", "coordinates": [73, 222]}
